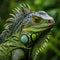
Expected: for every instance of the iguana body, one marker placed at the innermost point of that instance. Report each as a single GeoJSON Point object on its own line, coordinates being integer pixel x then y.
{"type": "Point", "coordinates": [23, 37]}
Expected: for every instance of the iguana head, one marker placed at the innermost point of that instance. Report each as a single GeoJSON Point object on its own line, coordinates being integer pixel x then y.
{"type": "Point", "coordinates": [34, 24]}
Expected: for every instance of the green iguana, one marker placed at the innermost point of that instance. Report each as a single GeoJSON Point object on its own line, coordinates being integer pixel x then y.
{"type": "Point", "coordinates": [25, 34]}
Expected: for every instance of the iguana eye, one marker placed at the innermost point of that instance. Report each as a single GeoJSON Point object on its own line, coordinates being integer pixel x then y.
{"type": "Point", "coordinates": [36, 19]}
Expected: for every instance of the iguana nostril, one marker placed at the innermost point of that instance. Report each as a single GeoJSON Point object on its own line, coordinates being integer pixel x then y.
{"type": "Point", "coordinates": [51, 21]}
{"type": "Point", "coordinates": [24, 39]}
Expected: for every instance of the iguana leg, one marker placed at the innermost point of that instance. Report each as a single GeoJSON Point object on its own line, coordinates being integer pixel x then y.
{"type": "Point", "coordinates": [17, 54]}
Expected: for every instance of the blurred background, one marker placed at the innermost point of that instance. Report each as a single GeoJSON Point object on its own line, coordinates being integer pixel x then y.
{"type": "Point", "coordinates": [52, 7]}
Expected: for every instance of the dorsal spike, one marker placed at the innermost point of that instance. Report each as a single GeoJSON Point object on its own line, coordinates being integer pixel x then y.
{"type": "Point", "coordinates": [13, 15]}
{"type": "Point", "coordinates": [10, 20]}
{"type": "Point", "coordinates": [24, 4]}
{"type": "Point", "coordinates": [16, 10]}
{"type": "Point", "coordinates": [28, 6]}
{"type": "Point", "coordinates": [21, 5]}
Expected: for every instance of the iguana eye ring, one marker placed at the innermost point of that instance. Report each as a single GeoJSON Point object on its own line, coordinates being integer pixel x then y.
{"type": "Point", "coordinates": [36, 19]}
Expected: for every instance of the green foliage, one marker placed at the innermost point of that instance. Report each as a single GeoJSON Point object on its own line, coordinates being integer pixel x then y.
{"type": "Point", "coordinates": [1, 25]}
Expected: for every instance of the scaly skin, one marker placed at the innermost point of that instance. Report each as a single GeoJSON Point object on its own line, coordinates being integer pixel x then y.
{"type": "Point", "coordinates": [26, 35]}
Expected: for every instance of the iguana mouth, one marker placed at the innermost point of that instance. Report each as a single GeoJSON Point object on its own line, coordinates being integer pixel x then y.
{"type": "Point", "coordinates": [38, 28]}
{"type": "Point", "coordinates": [42, 26]}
